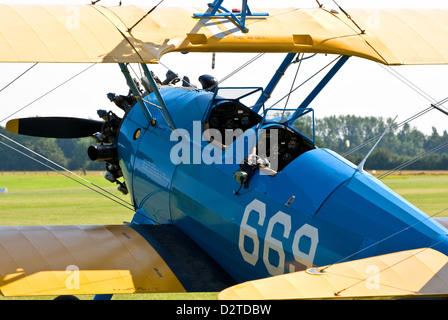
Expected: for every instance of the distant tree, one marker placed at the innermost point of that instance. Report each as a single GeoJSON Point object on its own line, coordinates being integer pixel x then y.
{"type": "Point", "coordinates": [332, 132]}
{"type": "Point", "coordinates": [14, 160]}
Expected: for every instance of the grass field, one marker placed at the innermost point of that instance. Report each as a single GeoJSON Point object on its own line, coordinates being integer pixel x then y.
{"type": "Point", "coordinates": [427, 190]}
{"type": "Point", "coordinates": [50, 198]}
{"type": "Point", "coordinates": [41, 198]}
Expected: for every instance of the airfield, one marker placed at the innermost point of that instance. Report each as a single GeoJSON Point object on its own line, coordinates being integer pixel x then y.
{"type": "Point", "coordinates": [49, 198]}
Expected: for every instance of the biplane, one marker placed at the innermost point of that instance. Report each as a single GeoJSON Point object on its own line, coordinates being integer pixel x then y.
{"type": "Point", "coordinates": [229, 195]}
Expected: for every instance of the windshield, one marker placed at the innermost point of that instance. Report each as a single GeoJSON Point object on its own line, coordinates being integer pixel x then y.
{"type": "Point", "coordinates": [303, 123]}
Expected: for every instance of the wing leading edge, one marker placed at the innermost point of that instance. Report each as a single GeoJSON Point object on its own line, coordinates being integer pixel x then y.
{"type": "Point", "coordinates": [91, 33]}
{"type": "Point", "coordinates": [73, 260]}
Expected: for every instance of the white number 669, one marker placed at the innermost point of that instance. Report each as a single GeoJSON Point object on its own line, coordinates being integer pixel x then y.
{"type": "Point", "coordinates": [275, 245]}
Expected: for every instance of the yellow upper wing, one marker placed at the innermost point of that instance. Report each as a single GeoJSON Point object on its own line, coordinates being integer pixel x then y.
{"type": "Point", "coordinates": [52, 33]}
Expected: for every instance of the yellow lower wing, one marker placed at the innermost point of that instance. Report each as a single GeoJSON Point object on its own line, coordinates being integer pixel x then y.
{"type": "Point", "coordinates": [71, 260]}
{"type": "Point", "coordinates": [406, 274]}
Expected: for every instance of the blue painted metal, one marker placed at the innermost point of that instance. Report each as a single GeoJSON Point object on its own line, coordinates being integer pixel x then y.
{"type": "Point", "coordinates": [239, 18]}
{"type": "Point", "coordinates": [274, 81]}
{"type": "Point", "coordinates": [338, 65]}
{"type": "Point", "coordinates": [102, 297]}
{"type": "Point", "coordinates": [145, 162]}
{"type": "Point", "coordinates": [338, 213]}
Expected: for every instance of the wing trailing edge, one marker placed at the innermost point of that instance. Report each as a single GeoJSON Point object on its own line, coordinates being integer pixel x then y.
{"type": "Point", "coordinates": [409, 274]}
{"type": "Point", "coordinates": [96, 34]}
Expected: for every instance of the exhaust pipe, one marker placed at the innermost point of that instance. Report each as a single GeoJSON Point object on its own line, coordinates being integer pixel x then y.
{"type": "Point", "coordinates": [102, 153]}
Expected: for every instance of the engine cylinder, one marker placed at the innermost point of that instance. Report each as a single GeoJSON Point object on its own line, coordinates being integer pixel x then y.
{"type": "Point", "coordinates": [102, 153]}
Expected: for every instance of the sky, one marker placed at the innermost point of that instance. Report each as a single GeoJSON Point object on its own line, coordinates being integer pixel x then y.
{"type": "Point", "coordinates": [362, 87]}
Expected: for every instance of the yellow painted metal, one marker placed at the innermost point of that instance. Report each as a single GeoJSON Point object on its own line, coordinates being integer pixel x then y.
{"type": "Point", "coordinates": [406, 274]}
{"type": "Point", "coordinates": [58, 33]}
{"type": "Point", "coordinates": [13, 126]}
{"type": "Point", "coordinates": [72, 260]}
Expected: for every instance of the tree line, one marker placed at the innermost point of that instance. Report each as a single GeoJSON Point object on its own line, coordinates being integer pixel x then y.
{"type": "Point", "coordinates": [402, 145]}
{"type": "Point", "coordinates": [338, 133]}
{"type": "Point", "coordinates": [69, 153]}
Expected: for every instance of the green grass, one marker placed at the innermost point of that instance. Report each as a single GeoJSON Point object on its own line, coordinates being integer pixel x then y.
{"type": "Point", "coordinates": [429, 192]}
{"type": "Point", "coordinates": [37, 198]}
{"type": "Point", "coordinates": [52, 199]}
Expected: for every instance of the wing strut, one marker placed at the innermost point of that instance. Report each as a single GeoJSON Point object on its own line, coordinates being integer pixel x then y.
{"type": "Point", "coordinates": [155, 89]}
{"type": "Point", "coordinates": [274, 81]}
{"type": "Point", "coordinates": [136, 93]}
{"type": "Point", "coordinates": [318, 88]}
{"type": "Point", "coordinates": [239, 17]}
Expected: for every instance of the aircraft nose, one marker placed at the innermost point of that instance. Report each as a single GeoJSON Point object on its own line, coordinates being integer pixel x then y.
{"type": "Point", "coordinates": [377, 220]}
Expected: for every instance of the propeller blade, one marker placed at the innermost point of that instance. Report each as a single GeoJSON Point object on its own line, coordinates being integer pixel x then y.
{"type": "Point", "coordinates": [54, 127]}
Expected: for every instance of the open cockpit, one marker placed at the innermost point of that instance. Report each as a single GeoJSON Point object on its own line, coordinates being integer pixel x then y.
{"type": "Point", "coordinates": [278, 132]}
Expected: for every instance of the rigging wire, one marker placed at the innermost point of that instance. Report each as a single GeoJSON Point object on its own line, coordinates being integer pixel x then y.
{"type": "Point", "coordinates": [294, 80]}
{"type": "Point", "coordinates": [413, 87]}
{"type": "Point", "coordinates": [244, 65]}
{"type": "Point", "coordinates": [415, 159]}
{"type": "Point", "coordinates": [350, 18]}
{"type": "Point", "coordinates": [304, 82]}
{"type": "Point", "coordinates": [388, 267]}
{"type": "Point", "coordinates": [435, 149]}
{"type": "Point", "coordinates": [65, 175]}
{"type": "Point", "coordinates": [48, 92]}
{"type": "Point", "coordinates": [146, 14]}
{"type": "Point", "coordinates": [120, 201]}
{"type": "Point", "coordinates": [407, 82]}
{"type": "Point", "coordinates": [153, 103]}
{"type": "Point", "coordinates": [231, 74]}
{"type": "Point", "coordinates": [18, 77]}
{"type": "Point", "coordinates": [417, 115]}
{"type": "Point", "coordinates": [61, 167]}
{"type": "Point", "coordinates": [382, 240]}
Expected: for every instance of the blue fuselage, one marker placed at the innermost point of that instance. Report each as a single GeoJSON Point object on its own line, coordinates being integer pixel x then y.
{"type": "Point", "coordinates": [318, 210]}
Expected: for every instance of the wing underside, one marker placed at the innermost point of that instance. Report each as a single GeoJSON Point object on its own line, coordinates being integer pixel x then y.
{"type": "Point", "coordinates": [73, 260]}
{"type": "Point", "coordinates": [92, 33]}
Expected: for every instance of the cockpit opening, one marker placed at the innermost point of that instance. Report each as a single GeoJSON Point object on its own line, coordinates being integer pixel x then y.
{"type": "Point", "coordinates": [277, 141]}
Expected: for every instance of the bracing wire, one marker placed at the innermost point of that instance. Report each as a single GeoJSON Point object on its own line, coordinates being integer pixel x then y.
{"type": "Point", "coordinates": [66, 175]}
{"type": "Point", "coordinates": [413, 87]}
{"type": "Point", "coordinates": [384, 239]}
{"type": "Point", "coordinates": [304, 82]}
{"type": "Point", "coordinates": [435, 149]}
{"type": "Point", "coordinates": [407, 82]}
{"type": "Point", "coordinates": [86, 182]}
{"type": "Point", "coordinates": [415, 159]}
{"type": "Point", "coordinates": [18, 77]}
{"type": "Point", "coordinates": [244, 65]}
{"type": "Point", "coordinates": [294, 80]}
{"type": "Point", "coordinates": [388, 267]}
{"type": "Point", "coordinates": [48, 92]}
{"type": "Point", "coordinates": [231, 74]}
{"type": "Point", "coordinates": [144, 16]}
{"type": "Point", "coordinates": [417, 115]}
{"type": "Point", "coordinates": [63, 168]}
